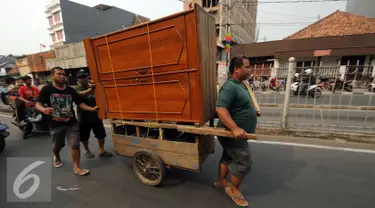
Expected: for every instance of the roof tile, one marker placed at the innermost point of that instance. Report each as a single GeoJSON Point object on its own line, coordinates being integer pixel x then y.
{"type": "Point", "coordinates": [337, 24]}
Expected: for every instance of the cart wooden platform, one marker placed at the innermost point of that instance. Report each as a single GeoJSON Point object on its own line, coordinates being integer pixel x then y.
{"type": "Point", "coordinates": [155, 146]}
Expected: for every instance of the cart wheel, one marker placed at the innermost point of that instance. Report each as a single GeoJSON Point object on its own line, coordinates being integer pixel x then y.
{"type": "Point", "coordinates": [148, 167]}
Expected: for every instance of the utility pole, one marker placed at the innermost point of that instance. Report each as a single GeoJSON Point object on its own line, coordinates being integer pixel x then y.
{"type": "Point", "coordinates": [228, 28]}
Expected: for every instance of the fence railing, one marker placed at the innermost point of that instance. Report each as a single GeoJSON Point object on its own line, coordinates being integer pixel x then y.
{"type": "Point", "coordinates": [334, 104]}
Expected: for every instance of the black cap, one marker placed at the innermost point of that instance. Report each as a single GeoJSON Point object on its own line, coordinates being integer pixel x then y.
{"type": "Point", "coordinates": [82, 73]}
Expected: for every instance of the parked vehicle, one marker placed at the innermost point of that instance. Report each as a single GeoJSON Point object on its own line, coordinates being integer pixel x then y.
{"type": "Point", "coordinates": [3, 134]}
{"type": "Point", "coordinates": [314, 91]}
{"type": "Point", "coordinates": [371, 87]}
{"type": "Point", "coordinates": [34, 120]}
{"type": "Point", "coordinates": [338, 85]}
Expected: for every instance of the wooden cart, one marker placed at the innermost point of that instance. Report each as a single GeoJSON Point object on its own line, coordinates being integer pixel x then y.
{"type": "Point", "coordinates": [156, 146]}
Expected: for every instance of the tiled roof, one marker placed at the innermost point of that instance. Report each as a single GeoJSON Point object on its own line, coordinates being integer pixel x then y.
{"type": "Point", "coordinates": [15, 70]}
{"type": "Point", "coordinates": [337, 24]}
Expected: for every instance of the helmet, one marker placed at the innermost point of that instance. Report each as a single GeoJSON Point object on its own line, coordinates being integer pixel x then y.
{"type": "Point", "coordinates": [308, 71]}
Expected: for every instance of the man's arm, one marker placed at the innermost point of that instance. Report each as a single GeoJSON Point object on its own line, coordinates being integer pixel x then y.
{"type": "Point", "coordinates": [227, 120]}
{"type": "Point", "coordinates": [21, 93]}
{"type": "Point", "coordinates": [78, 100]}
{"type": "Point", "coordinates": [85, 93]}
{"type": "Point", "coordinates": [88, 108]}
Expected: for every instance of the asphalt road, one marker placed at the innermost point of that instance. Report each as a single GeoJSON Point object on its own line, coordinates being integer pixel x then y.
{"type": "Point", "coordinates": [282, 176]}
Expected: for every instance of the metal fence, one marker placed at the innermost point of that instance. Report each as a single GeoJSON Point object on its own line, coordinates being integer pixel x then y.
{"type": "Point", "coordinates": [346, 102]}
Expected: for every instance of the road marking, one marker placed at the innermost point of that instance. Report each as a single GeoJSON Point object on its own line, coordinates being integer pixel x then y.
{"type": "Point", "coordinates": [7, 116]}
{"type": "Point", "coordinates": [314, 146]}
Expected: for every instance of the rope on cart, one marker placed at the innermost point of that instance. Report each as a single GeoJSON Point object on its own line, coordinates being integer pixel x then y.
{"type": "Point", "coordinates": [114, 78]}
{"type": "Point", "coordinates": [152, 71]}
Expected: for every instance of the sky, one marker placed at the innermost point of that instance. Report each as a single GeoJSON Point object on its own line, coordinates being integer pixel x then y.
{"type": "Point", "coordinates": [24, 23]}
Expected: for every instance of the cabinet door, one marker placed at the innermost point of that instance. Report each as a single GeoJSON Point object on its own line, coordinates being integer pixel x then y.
{"type": "Point", "coordinates": [136, 50]}
{"type": "Point", "coordinates": [162, 97]}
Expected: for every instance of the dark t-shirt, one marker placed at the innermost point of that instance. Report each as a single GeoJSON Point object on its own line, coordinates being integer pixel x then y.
{"type": "Point", "coordinates": [236, 99]}
{"type": "Point", "coordinates": [62, 103]}
{"type": "Point", "coordinates": [87, 116]}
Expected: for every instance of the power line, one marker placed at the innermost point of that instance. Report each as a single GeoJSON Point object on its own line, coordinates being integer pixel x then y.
{"type": "Point", "coordinates": [287, 14]}
{"type": "Point", "coordinates": [278, 2]}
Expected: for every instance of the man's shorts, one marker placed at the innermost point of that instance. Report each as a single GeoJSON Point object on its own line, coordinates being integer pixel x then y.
{"type": "Point", "coordinates": [237, 155]}
{"type": "Point", "coordinates": [97, 127]}
{"type": "Point", "coordinates": [70, 132]}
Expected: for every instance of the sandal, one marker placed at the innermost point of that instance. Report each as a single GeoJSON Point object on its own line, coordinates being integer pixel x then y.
{"type": "Point", "coordinates": [89, 155]}
{"type": "Point", "coordinates": [238, 199]}
{"type": "Point", "coordinates": [57, 163]}
{"type": "Point", "coordinates": [105, 154]}
{"type": "Point", "coordinates": [82, 172]}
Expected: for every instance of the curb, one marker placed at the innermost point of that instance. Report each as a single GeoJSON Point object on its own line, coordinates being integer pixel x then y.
{"type": "Point", "coordinates": [4, 110]}
{"type": "Point", "coordinates": [366, 138]}
{"type": "Point", "coordinates": [324, 93]}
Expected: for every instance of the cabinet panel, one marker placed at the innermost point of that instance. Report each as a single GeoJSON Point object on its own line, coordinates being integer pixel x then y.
{"type": "Point", "coordinates": [166, 98]}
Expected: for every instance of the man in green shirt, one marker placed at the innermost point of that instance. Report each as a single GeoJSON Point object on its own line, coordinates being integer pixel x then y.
{"type": "Point", "coordinates": [89, 120]}
{"type": "Point", "coordinates": [236, 111]}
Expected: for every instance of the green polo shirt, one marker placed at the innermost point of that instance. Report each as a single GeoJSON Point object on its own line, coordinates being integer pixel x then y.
{"type": "Point", "coordinates": [236, 99]}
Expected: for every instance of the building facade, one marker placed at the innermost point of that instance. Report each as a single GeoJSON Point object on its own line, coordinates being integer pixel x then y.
{"type": "Point", "coordinates": [236, 18]}
{"type": "Point", "coordinates": [361, 7]}
{"type": "Point", "coordinates": [339, 41]}
{"type": "Point", "coordinates": [23, 65]}
{"type": "Point", "coordinates": [71, 22]}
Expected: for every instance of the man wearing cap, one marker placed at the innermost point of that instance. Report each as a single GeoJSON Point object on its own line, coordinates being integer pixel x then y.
{"type": "Point", "coordinates": [89, 120]}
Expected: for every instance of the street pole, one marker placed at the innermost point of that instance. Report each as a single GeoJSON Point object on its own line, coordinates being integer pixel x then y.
{"type": "Point", "coordinates": [229, 22]}
{"type": "Point", "coordinates": [284, 118]}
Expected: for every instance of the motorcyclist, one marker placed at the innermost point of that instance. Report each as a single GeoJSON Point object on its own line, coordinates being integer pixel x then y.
{"type": "Point", "coordinates": [28, 94]}
{"type": "Point", "coordinates": [9, 90]}
{"type": "Point", "coordinates": [307, 79]}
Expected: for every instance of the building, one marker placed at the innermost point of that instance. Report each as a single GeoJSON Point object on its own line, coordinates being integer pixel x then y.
{"type": "Point", "coordinates": [7, 63]}
{"type": "Point", "coordinates": [71, 22]}
{"type": "Point", "coordinates": [361, 7]}
{"type": "Point", "coordinates": [340, 40]}
{"type": "Point", "coordinates": [38, 66]}
{"type": "Point", "coordinates": [71, 57]}
{"type": "Point", "coordinates": [23, 66]}
{"type": "Point", "coordinates": [238, 19]}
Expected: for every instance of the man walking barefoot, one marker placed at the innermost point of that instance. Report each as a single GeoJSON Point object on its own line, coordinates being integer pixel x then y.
{"type": "Point", "coordinates": [236, 111]}
{"type": "Point", "coordinates": [59, 100]}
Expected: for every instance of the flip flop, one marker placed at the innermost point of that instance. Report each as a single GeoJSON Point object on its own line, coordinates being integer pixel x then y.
{"type": "Point", "coordinates": [89, 155]}
{"type": "Point", "coordinates": [235, 197]}
{"type": "Point", "coordinates": [82, 172]}
{"type": "Point", "coordinates": [57, 163]}
{"type": "Point", "coordinates": [105, 154]}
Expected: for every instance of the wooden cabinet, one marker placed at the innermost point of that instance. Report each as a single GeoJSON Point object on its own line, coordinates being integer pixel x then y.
{"type": "Point", "coordinates": [164, 70]}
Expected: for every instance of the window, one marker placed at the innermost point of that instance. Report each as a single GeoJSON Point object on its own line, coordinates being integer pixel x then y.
{"type": "Point", "coordinates": [53, 36]}
{"type": "Point", "coordinates": [57, 18]}
{"type": "Point", "coordinates": [210, 3]}
{"type": "Point", "coordinates": [50, 20]}
{"type": "Point", "coordinates": [60, 35]}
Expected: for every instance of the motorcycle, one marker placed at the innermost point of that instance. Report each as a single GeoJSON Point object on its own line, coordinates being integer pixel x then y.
{"type": "Point", "coordinates": [34, 120]}
{"type": "Point", "coordinates": [339, 86]}
{"type": "Point", "coordinates": [314, 91]}
{"type": "Point", "coordinates": [371, 87]}
{"type": "Point", "coordinates": [3, 134]}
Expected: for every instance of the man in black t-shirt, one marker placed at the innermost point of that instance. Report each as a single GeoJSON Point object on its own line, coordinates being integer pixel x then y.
{"type": "Point", "coordinates": [89, 120]}
{"type": "Point", "coordinates": [59, 100]}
